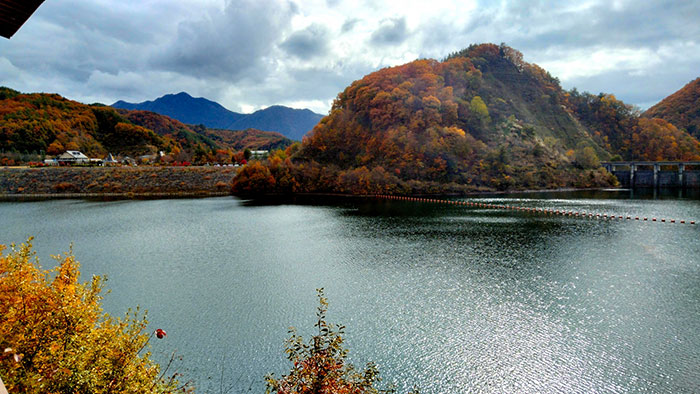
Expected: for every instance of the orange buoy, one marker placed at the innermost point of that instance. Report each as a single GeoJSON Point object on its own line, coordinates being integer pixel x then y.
{"type": "Point", "coordinates": [645, 219]}
{"type": "Point", "coordinates": [653, 219]}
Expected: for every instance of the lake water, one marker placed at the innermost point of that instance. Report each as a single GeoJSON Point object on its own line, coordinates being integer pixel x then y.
{"type": "Point", "coordinates": [447, 298]}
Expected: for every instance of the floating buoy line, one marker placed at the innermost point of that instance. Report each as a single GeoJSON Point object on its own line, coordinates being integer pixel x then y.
{"type": "Point", "coordinates": [544, 211]}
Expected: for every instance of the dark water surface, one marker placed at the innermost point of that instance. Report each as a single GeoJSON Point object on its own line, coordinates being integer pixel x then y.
{"type": "Point", "coordinates": [450, 299]}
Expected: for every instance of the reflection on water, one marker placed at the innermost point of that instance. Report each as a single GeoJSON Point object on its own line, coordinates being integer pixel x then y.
{"type": "Point", "coordinates": [451, 299]}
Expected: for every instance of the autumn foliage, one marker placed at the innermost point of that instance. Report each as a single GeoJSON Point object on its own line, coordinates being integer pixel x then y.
{"type": "Point", "coordinates": [618, 128]}
{"type": "Point", "coordinates": [39, 123]}
{"type": "Point", "coordinates": [57, 339]}
{"type": "Point", "coordinates": [50, 123]}
{"type": "Point", "coordinates": [682, 108]}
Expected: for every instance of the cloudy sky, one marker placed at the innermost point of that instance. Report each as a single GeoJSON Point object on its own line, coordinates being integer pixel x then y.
{"type": "Point", "coordinates": [250, 54]}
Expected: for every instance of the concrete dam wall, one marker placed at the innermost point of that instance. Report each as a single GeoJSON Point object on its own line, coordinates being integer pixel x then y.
{"type": "Point", "coordinates": [659, 174]}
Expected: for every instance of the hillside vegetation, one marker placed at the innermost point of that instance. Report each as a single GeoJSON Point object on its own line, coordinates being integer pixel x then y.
{"type": "Point", "coordinates": [248, 139]}
{"type": "Point", "coordinates": [682, 108]}
{"type": "Point", "coordinates": [49, 123]}
{"type": "Point", "coordinates": [38, 123]}
{"type": "Point", "coordinates": [482, 119]}
{"type": "Point", "coordinates": [619, 129]}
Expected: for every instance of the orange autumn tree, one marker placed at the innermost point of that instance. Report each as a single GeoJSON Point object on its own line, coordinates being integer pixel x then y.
{"type": "Point", "coordinates": [321, 366]}
{"type": "Point", "coordinates": [254, 176]}
{"type": "Point", "coordinates": [57, 339]}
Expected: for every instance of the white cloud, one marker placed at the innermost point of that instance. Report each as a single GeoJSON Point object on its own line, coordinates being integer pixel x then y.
{"type": "Point", "coordinates": [250, 54]}
{"type": "Point", "coordinates": [586, 63]}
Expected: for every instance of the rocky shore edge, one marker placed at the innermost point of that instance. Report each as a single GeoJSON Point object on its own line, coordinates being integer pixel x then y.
{"type": "Point", "coordinates": [118, 182]}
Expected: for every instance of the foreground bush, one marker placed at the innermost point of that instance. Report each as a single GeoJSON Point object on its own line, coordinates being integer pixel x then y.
{"type": "Point", "coordinates": [57, 339]}
{"type": "Point", "coordinates": [321, 367]}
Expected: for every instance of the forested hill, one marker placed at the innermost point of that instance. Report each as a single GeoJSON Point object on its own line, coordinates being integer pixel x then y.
{"type": "Point", "coordinates": [290, 122]}
{"type": "Point", "coordinates": [482, 119]}
{"type": "Point", "coordinates": [48, 123]}
{"type": "Point", "coordinates": [40, 123]}
{"type": "Point", "coordinates": [682, 108]}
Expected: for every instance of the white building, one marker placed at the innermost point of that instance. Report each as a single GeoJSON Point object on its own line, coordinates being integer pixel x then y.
{"type": "Point", "coordinates": [258, 154]}
{"type": "Point", "coordinates": [71, 157]}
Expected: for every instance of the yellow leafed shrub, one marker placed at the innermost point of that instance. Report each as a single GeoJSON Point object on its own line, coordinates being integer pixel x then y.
{"type": "Point", "coordinates": [57, 339]}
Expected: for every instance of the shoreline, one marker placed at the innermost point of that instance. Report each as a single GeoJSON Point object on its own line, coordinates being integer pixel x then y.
{"type": "Point", "coordinates": [208, 194]}
{"type": "Point", "coordinates": [114, 182]}
{"type": "Point", "coordinates": [110, 196]}
{"type": "Point", "coordinates": [156, 182]}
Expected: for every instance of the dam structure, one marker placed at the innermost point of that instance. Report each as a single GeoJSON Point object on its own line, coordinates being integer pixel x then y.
{"type": "Point", "coordinates": [656, 174]}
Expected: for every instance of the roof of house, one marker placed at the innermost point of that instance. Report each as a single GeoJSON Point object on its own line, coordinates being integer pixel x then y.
{"type": "Point", "coordinates": [73, 154]}
{"type": "Point", "coordinates": [13, 14]}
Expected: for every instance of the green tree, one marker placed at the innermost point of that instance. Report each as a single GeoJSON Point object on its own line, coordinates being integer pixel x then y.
{"type": "Point", "coordinates": [587, 158]}
{"type": "Point", "coordinates": [478, 107]}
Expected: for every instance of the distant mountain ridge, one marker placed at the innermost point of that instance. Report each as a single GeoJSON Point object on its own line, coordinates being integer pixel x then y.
{"type": "Point", "coordinates": [186, 109]}
{"type": "Point", "coordinates": [290, 122]}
